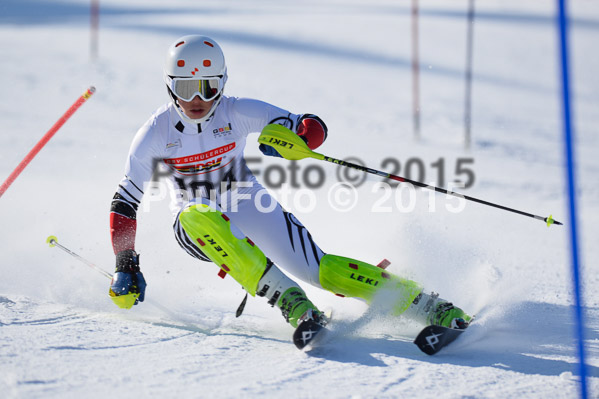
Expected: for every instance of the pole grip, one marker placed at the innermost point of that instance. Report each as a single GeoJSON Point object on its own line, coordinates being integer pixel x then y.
{"type": "Point", "coordinates": [44, 140]}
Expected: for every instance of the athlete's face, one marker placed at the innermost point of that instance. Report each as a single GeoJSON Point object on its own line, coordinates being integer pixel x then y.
{"type": "Point", "coordinates": [196, 108]}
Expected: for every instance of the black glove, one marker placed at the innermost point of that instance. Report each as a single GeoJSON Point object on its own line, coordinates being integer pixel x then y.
{"type": "Point", "coordinates": [128, 286]}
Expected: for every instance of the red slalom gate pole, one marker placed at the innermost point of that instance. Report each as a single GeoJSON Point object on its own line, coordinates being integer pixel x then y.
{"type": "Point", "coordinates": [44, 140]}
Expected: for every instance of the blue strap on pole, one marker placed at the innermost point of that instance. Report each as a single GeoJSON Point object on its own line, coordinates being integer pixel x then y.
{"type": "Point", "coordinates": [568, 141]}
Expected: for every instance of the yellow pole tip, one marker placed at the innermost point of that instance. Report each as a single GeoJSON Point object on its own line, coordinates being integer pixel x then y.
{"type": "Point", "coordinates": [51, 241]}
{"type": "Point", "coordinates": [550, 220]}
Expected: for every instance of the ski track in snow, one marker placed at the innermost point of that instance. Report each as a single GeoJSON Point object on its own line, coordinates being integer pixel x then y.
{"type": "Point", "coordinates": [53, 349]}
{"type": "Point", "coordinates": [60, 335]}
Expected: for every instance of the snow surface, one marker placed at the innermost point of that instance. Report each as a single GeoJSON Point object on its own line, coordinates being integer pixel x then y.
{"type": "Point", "coordinates": [349, 62]}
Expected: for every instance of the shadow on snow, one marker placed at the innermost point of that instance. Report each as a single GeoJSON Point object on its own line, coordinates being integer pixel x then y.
{"type": "Point", "coordinates": [24, 12]}
{"type": "Point", "coordinates": [530, 338]}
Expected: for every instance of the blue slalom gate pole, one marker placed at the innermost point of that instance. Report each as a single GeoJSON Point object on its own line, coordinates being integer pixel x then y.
{"type": "Point", "coordinates": [468, 93]}
{"type": "Point", "coordinates": [571, 179]}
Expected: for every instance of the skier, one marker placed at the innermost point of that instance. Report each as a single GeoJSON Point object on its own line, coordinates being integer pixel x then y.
{"type": "Point", "coordinates": [222, 214]}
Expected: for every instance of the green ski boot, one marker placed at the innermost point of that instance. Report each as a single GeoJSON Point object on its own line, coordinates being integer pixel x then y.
{"type": "Point", "coordinates": [447, 315]}
{"type": "Point", "coordinates": [297, 308]}
{"type": "Point", "coordinates": [429, 309]}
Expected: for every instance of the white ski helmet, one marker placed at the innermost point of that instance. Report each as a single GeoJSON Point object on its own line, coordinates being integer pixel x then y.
{"type": "Point", "coordinates": [195, 66]}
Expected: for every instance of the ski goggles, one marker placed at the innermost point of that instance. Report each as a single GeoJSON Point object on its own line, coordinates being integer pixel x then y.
{"type": "Point", "coordinates": [187, 88]}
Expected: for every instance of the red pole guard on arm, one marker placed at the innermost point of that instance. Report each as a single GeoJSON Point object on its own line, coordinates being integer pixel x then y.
{"type": "Point", "coordinates": [44, 140]}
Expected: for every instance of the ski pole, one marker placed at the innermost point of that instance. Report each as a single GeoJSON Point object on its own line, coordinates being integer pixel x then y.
{"type": "Point", "coordinates": [293, 148]}
{"type": "Point", "coordinates": [44, 140]}
{"type": "Point", "coordinates": [53, 242]}
{"type": "Point", "coordinates": [125, 301]}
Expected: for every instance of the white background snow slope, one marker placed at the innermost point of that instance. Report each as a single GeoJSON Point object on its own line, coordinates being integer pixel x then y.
{"type": "Point", "coordinates": [349, 62]}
